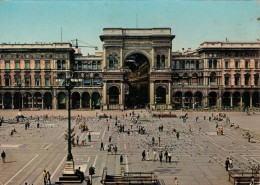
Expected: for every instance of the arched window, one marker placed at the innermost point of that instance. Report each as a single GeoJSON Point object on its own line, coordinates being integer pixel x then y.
{"type": "Point", "coordinates": [178, 65]}
{"type": "Point", "coordinates": [111, 61]}
{"type": "Point", "coordinates": [213, 79]}
{"type": "Point", "coordinates": [86, 79]}
{"type": "Point", "coordinates": [210, 64]}
{"type": "Point", "coordinates": [94, 65]}
{"type": "Point", "coordinates": [215, 64]}
{"type": "Point", "coordinates": [58, 64]}
{"type": "Point", "coordinates": [96, 79]}
{"type": "Point", "coordinates": [163, 62]}
{"type": "Point", "coordinates": [63, 64]}
{"type": "Point", "coordinates": [79, 65]}
{"type": "Point", "coordinates": [115, 61]}
{"type": "Point", "coordinates": [158, 62]}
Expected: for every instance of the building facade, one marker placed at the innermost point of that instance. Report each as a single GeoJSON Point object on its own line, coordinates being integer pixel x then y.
{"type": "Point", "coordinates": [136, 69]}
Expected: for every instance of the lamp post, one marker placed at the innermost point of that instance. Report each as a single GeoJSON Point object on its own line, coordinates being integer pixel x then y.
{"type": "Point", "coordinates": [69, 84]}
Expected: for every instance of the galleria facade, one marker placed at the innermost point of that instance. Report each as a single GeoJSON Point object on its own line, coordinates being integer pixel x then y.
{"type": "Point", "coordinates": [136, 69]}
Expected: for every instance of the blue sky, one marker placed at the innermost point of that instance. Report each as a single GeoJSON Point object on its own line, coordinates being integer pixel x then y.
{"type": "Point", "coordinates": [193, 22]}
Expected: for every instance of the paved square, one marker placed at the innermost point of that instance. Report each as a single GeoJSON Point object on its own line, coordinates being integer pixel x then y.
{"type": "Point", "coordinates": [197, 157]}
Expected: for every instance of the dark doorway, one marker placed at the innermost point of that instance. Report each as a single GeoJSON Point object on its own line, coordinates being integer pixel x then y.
{"type": "Point", "coordinates": [161, 95]}
{"type": "Point", "coordinates": [137, 79]}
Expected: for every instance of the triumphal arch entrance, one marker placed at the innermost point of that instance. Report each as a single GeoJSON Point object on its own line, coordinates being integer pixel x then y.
{"type": "Point", "coordinates": [136, 68]}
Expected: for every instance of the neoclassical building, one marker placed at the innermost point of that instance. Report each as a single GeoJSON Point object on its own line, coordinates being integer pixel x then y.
{"type": "Point", "coordinates": [136, 69]}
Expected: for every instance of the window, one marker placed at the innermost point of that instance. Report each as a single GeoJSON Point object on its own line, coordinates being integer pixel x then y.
{"type": "Point", "coordinates": [7, 81]}
{"type": "Point", "coordinates": [94, 65]}
{"type": "Point", "coordinates": [7, 65]}
{"type": "Point", "coordinates": [89, 66]}
{"type": "Point", "coordinates": [47, 64]}
{"type": "Point", "coordinates": [236, 64]}
{"type": "Point", "coordinates": [27, 81]}
{"type": "Point", "coordinates": [256, 64]}
{"type": "Point", "coordinates": [178, 65]}
{"type": "Point", "coordinates": [79, 65]}
{"type": "Point", "coordinates": [215, 64]}
{"type": "Point", "coordinates": [27, 64]}
{"type": "Point", "coordinates": [17, 64]}
{"type": "Point", "coordinates": [87, 80]}
{"type": "Point", "coordinates": [246, 64]}
{"type": "Point", "coordinates": [37, 81]}
{"type": "Point", "coordinates": [173, 66]}
{"type": "Point", "coordinates": [58, 64]}
{"type": "Point", "coordinates": [47, 81]}
{"type": "Point", "coordinates": [192, 65]}
{"type": "Point", "coordinates": [226, 80]}
{"type": "Point", "coordinates": [236, 80]}
{"type": "Point", "coordinates": [98, 65]}
{"type": "Point", "coordinates": [163, 62]}
{"type": "Point", "coordinates": [197, 65]}
{"type": "Point", "coordinates": [158, 61]}
{"type": "Point", "coordinates": [187, 66]}
{"type": "Point", "coordinates": [210, 64]}
{"type": "Point", "coordinates": [27, 56]}
{"type": "Point", "coordinates": [247, 79]}
{"type": "Point", "coordinates": [64, 64]}
{"type": "Point", "coordinates": [37, 64]}
{"type": "Point", "coordinates": [110, 61]}
{"type": "Point", "coordinates": [226, 64]}
{"type": "Point", "coordinates": [17, 81]}
{"type": "Point", "coordinates": [85, 66]}
{"type": "Point", "coordinates": [37, 56]}
{"type": "Point", "coordinates": [115, 61]}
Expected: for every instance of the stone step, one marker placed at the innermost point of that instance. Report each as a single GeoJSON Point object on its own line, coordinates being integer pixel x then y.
{"type": "Point", "coordinates": [68, 181]}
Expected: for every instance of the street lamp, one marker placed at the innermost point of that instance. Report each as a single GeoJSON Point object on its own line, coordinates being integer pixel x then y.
{"type": "Point", "coordinates": [69, 84]}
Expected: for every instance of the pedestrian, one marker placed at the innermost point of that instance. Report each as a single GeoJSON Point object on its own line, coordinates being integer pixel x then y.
{"type": "Point", "coordinates": [121, 158]}
{"type": "Point", "coordinates": [230, 163]}
{"type": "Point", "coordinates": [88, 180]}
{"type": "Point", "coordinates": [48, 176]}
{"type": "Point", "coordinates": [189, 128]}
{"type": "Point", "coordinates": [101, 146]}
{"type": "Point", "coordinates": [160, 156]}
{"type": "Point", "coordinates": [170, 157]}
{"type": "Point", "coordinates": [175, 181]}
{"type": "Point", "coordinates": [154, 155]}
{"type": "Point", "coordinates": [227, 164]}
{"type": "Point", "coordinates": [159, 141]}
{"type": "Point", "coordinates": [177, 135]}
{"type": "Point", "coordinates": [110, 138]}
{"type": "Point", "coordinates": [89, 137]}
{"type": "Point", "coordinates": [147, 156]}
{"type": "Point", "coordinates": [143, 155]}
{"type": "Point", "coordinates": [44, 175]}
{"type": "Point", "coordinates": [3, 155]}
{"type": "Point", "coordinates": [153, 141]}
{"type": "Point", "coordinates": [166, 156]}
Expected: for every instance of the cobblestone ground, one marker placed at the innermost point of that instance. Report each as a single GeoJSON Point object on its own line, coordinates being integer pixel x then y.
{"type": "Point", "coordinates": [197, 157]}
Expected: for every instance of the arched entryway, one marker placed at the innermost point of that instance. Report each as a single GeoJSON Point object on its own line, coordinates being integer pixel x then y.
{"type": "Point", "coordinates": [255, 99]}
{"type": "Point", "coordinates": [17, 100]}
{"type": "Point", "coordinates": [198, 99]}
{"type": "Point", "coordinates": [27, 100]}
{"type": "Point", "coordinates": [95, 100]}
{"type": "Point", "coordinates": [161, 95]}
{"type": "Point", "coordinates": [246, 99]}
{"type": "Point", "coordinates": [177, 100]}
{"type": "Point", "coordinates": [137, 67]}
{"type": "Point", "coordinates": [37, 100]}
{"type": "Point", "coordinates": [113, 95]}
{"type": "Point", "coordinates": [226, 99]}
{"type": "Point", "coordinates": [236, 99]}
{"type": "Point", "coordinates": [85, 100]}
{"type": "Point", "coordinates": [47, 100]}
{"type": "Point", "coordinates": [75, 100]}
{"type": "Point", "coordinates": [62, 100]}
{"type": "Point", "coordinates": [7, 100]}
{"type": "Point", "coordinates": [212, 99]}
{"type": "Point", "coordinates": [188, 99]}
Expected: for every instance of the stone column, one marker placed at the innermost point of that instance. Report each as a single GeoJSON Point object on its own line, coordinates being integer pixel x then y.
{"type": "Point", "coordinates": [90, 103]}
{"type": "Point", "coordinates": [151, 93]}
{"type": "Point", "coordinates": [54, 100]}
{"type": "Point", "coordinates": [169, 93]}
{"type": "Point", "coordinates": [80, 101]}
{"type": "Point", "coordinates": [32, 102]}
{"type": "Point", "coordinates": [193, 102]}
{"type": "Point", "coordinates": [251, 100]}
{"type": "Point", "coordinates": [121, 58]}
{"type": "Point", "coordinates": [169, 58]}
{"type": "Point", "coordinates": [121, 96]}
{"type": "Point", "coordinates": [42, 101]}
{"type": "Point", "coordinates": [22, 102]}
{"type": "Point", "coordinates": [231, 101]}
{"type": "Point", "coordinates": [220, 101]}
{"type": "Point", "coordinates": [12, 102]}
{"type": "Point", "coordinates": [152, 58]}
{"type": "Point", "coordinates": [105, 96]}
{"type": "Point", "coordinates": [241, 99]}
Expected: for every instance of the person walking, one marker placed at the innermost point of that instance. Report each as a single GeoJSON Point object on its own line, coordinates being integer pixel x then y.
{"type": "Point", "coordinates": [170, 157]}
{"type": "Point", "coordinates": [143, 155]}
{"type": "Point", "coordinates": [166, 156]}
{"type": "Point", "coordinates": [48, 176]}
{"type": "Point", "coordinates": [121, 158]}
{"type": "Point", "coordinates": [109, 139]}
{"type": "Point", "coordinates": [77, 139]}
{"type": "Point", "coordinates": [177, 135]}
{"type": "Point", "coordinates": [147, 156]}
{"type": "Point", "coordinates": [160, 156]}
{"type": "Point", "coordinates": [230, 163]}
{"type": "Point", "coordinates": [175, 181]}
{"type": "Point", "coordinates": [3, 155]}
{"type": "Point", "coordinates": [227, 164]}
{"type": "Point", "coordinates": [89, 137]}
{"type": "Point", "coordinates": [101, 146]}
{"type": "Point", "coordinates": [44, 175]}
{"type": "Point", "coordinates": [154, 155]}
